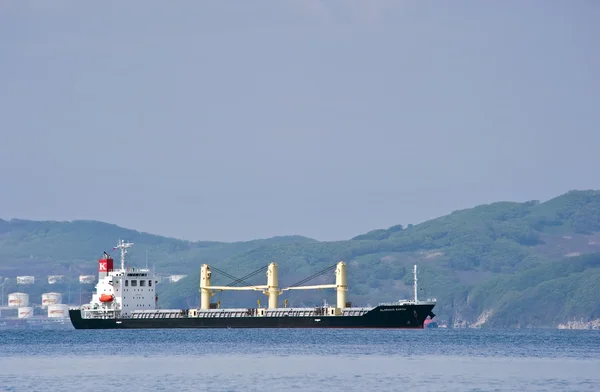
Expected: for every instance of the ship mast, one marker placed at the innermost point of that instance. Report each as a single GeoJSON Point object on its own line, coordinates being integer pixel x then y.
{"type": "Point", "coordinates": [123, 246]}
{"type": "Point", "coordinates": [415, 281]}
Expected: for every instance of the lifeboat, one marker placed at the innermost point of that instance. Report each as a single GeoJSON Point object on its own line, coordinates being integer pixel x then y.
{"type": "Point", "coordinates": [106, 298]}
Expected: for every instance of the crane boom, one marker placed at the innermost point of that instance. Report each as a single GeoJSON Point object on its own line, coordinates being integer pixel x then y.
{"type": "Point", "coordinates": [227, 288]}
{"type": "Point", "coordinates": [315, 287]}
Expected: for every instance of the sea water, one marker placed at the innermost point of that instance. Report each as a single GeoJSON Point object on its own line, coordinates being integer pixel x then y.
{"type": "Point", "coordinates": [305, 360]}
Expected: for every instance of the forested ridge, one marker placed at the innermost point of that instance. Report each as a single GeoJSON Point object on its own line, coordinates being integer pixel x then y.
{"type": "Point", "coordinates": [501, 264]}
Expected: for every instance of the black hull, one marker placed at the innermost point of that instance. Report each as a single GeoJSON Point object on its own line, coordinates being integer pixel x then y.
{"type": "Point", "coordinates": [396, 317]}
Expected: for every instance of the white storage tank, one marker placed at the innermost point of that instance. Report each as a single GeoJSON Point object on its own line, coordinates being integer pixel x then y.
{"type": "Point", "coordinates": [58, 311]}
{"type": "Point", "coordinates": [51, 299]}
{"type": "Point", "coordinates": [54, 279]}
{"type": "Point", "coordinates": [25, 279]}
{"type": "Point", "coordinates": [18, 300]}
{"type": "Point", "coordinates": [25, 312]}
{"type": "Point", "coordinates": [176, 278]}
{"type": "Point", "coordinates": [86, 279]}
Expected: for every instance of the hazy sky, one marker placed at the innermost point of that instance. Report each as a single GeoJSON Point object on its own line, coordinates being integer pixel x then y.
{"type": "Point", "coordinates": [242, 120]}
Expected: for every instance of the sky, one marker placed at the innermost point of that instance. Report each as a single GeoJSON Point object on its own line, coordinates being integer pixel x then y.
{"type": "Point", "coordinates": [240, 120]}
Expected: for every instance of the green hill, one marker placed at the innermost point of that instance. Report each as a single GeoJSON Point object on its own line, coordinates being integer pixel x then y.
{"type": "Point", "coordinates": [502, 264]}
{"type": "Point", "coordinates": [51, 247]}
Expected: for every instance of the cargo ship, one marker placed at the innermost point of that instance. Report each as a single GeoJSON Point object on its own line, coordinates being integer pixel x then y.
{"type": "Point", "coordinates": [125, 298]}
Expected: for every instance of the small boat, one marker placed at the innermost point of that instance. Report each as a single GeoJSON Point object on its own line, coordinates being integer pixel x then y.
{"type": "Point", "coordinates": [106, 298]}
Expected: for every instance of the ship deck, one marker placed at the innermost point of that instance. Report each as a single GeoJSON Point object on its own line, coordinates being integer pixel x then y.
{"type": "Point", "coordinates": [244, 312]}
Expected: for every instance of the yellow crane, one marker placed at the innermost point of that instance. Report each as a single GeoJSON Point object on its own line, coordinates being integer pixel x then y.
{"type": "Point", "coordinates": [271, 289]}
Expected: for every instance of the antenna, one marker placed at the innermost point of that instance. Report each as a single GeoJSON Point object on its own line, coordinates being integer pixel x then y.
{"type": "Point", "coordinates": [146, 258]}
{"type": "Point", "coordinates": [415, 281]}
{"type": "Point", "coordinates": [123, 246]}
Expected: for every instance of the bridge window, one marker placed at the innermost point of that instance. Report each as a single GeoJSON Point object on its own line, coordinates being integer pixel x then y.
{"type": "Point", "coordinates": [133, 283]}
{"type": "Point", "coordinates": [142, 283]}
{"type": "Point", "coordinates": [126, 282]}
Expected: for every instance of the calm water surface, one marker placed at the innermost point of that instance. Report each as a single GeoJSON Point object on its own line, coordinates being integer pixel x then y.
{"type": "Point", "coordinates": [307, 360]}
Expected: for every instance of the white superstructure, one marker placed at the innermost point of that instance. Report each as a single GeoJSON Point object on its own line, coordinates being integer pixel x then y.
{"type": "Point", "coordinates": [121, 291]}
